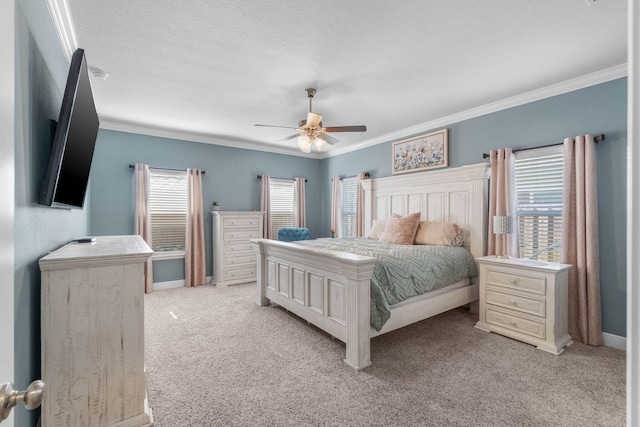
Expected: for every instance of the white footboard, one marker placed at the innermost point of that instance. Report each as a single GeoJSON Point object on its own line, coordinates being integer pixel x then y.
{"type": "Point", "coordinates": [328, 289]}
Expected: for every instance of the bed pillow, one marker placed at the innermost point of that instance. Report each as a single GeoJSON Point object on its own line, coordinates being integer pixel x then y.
{"type": "Point", "coordinates": [376, 229]}
{"type": "Point", "coordinates": [401, 230]}
{"type": "Point", "coordinates": [439, 234]}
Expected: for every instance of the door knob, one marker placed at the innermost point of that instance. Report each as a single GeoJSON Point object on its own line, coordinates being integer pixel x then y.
{"type": "Point", "coordinates": [31, 398]}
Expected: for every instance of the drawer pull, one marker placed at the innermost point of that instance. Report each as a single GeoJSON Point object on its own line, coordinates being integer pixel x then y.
{"type": "Point", "coordinates": [513, 281]}
{"type": "Point", "coordinates": [513, 323]}
{"type": "Point", "coordinates": [513, 302]}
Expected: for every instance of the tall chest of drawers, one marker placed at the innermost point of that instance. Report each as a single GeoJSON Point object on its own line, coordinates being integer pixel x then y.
{"type": "Point", "coordinates": [525, 300]}
{"type": "Point", "coordinates": [234, 261]}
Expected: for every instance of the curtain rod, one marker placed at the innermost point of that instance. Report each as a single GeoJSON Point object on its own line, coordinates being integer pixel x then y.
{"type": "Point", "coordinates": [597, 138]}
{"type": "Point", "coordinates": [165, 169]}
{"type": "Point", "coordinates": [275, 177]}
{"type": "Point", "coordinates": [366, 175]}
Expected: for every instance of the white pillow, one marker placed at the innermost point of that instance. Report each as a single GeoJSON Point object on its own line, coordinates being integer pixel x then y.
{"type": "Point", "coordinates": [376, 229]}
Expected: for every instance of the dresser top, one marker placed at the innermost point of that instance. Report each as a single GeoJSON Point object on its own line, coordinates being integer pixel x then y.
{"type": "Point", "coordinates": [106, 250]}
{"type": "Point", "coordinates": [237, 213]}
{"type": "Point", "coordinates": [523, 263]}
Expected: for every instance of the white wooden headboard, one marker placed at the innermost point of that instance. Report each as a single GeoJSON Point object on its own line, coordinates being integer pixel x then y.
{"type": "Point", "coordinates": [457, 195]}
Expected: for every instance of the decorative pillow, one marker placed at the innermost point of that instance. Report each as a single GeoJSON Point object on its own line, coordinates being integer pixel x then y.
{"type": "Point", "coordinates": [376, 229]}
{"type": "Point", "coordinates": [401, 230]}
{"type": "Point", "coordinates": [439, 234]}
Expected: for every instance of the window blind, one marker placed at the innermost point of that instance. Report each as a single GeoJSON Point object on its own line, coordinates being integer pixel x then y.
{"type": "Point", "coordinates": [539, 176]}
{"type": "Point", "coordinates": [168, 209]}
{"type": "Point", "coordinates": [281, 201]}
{"type": "Point", "coordinates": [348, 209]}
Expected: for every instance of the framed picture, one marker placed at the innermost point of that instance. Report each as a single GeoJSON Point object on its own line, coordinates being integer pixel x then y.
{"type": "Point", "coordinates": [421, 152]}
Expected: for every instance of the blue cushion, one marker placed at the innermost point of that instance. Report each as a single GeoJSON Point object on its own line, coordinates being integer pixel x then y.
{"type": "Point", "coordinates": [291, 234]}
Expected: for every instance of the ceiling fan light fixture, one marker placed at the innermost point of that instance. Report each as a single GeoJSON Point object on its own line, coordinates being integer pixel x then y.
{"type": "Point", "coordinates": [304, 142]}
{"type": "Point", "coordinates": [313, 120]}
{"type": "Point", "coordinates": [319, 143]}
{"type": "Point", "coordinates": [312, 132]}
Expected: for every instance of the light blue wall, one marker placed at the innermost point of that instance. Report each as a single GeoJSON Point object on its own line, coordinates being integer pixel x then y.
{"type": "Point", "coordinates": [230, 179]}
{"type": "Point", "coordinates": [597, 109]}
{"type": "Point", "coordinates": [41, 73]}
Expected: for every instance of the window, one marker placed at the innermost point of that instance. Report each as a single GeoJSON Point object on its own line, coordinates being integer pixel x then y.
{"type": "Point", "coordinates": [281, 200]}
{"type": "Point", "coordinates": [539, 176]}
{"type": "Point", "coordinates": [168, 210]}
{"type": "Point", "coordinates": [348, 207]}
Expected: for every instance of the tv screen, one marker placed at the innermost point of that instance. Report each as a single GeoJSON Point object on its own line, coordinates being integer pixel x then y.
{"type": "Point", "coordinates": [65, 184]}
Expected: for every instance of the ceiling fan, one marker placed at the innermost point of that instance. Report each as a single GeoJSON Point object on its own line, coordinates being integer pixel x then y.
{"type": "Point", "coordinates": [311, 132]}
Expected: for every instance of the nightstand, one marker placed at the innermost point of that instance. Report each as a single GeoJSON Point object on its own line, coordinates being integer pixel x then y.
{"type": "Point", "coordinates": [525, 300]}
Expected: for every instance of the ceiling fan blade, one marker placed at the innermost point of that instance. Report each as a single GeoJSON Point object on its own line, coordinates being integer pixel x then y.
{"type": "Point", "coordinates": [313, 120]}
{"type": "Point", "coordinates": [345, 129]}
{"type": "Point", "coordinates": [276, 126]}
{"type": "Point", "coordinates": [288, 137]}
{"type": "Point", "coordinates": [330, 140]}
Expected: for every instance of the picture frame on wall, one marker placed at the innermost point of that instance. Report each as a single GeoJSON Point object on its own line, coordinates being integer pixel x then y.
{"type": "Point", "coordinates": [422, 152]}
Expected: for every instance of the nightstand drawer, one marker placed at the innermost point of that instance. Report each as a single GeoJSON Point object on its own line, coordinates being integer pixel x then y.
{"type": "Point", "coordinates": [515, 323]}
{"type": "Point", "coordinates": [515, 302]}
{"type": "Point", "coordinates": [510, 279]}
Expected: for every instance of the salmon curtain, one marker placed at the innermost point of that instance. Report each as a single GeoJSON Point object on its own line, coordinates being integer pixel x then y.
{"type": "Point", "coordinates": [142, 218]}
{"type": "Point", "coordinates": [195, 267]}
{"type": "Point", "coordinates": [580, 240]}
{"type": "Point", "coordinates": [360, 204]}
{"type": "Point", "coordinates": [300, 211]}
{"type": "Point", "coordinates": [502, 200]}
{"type": "Point", "coordinates": [335, 206]}
{"type": "Point", "coordinates": [265, 205]}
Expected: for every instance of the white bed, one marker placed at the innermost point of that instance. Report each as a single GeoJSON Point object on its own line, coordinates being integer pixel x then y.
{"type": "Point", "coordinates": [331, 289]}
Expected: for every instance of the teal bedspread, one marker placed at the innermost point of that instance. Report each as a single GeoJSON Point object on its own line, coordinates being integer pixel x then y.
{"type": "Point", "coordinates": [403, 271]}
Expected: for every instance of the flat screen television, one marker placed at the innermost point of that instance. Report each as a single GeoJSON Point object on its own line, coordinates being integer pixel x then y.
{"type": "Point", "coordinates": [65, 184]}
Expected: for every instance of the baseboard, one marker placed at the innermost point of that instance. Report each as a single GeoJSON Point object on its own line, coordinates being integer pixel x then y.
{"type": "Point", "coordinates": [161, 286]}
{"type": "Point", "coordinates": [172, 284]}
{"type": "Point", "coordinates": [614, 341]}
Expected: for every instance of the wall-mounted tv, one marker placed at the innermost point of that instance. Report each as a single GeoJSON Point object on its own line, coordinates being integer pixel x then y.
{"type": "Point", "coordinates": [65, 184]}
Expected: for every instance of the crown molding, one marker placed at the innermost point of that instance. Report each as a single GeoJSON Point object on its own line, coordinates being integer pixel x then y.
{"type": "Point", "coordinates": [577, 83]}
{"type": "Point", "coordinates": [119, 126]}
{"type": "Point", "coordinates": [61, 17]}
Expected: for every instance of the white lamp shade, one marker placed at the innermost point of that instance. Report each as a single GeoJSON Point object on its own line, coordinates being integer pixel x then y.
{"type": "Point", "coordinates": [304, 143]}
{"type": "Point", "coordinates": [319, 143]}
{"type": "Point", "coordinates": [502, 224]}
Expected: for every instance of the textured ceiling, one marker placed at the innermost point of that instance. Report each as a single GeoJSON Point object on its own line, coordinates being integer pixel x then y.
{"type": "Point", "coordinates": [209, 70]}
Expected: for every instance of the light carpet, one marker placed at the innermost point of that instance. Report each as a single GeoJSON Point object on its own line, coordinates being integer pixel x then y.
{"type": "Point", "coordinates": [224, 361]}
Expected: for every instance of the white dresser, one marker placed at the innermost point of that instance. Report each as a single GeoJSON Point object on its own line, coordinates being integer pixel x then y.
{"type": "Point", "coordinates": [234, 260]}
{"type": "Point", "coordinates": [92, 334]}
{"type": "Point", "coordinates": [525, 300]}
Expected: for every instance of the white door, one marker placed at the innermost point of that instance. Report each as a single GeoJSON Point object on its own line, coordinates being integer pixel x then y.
{"type": "Point", "coordinates": [7, 162]}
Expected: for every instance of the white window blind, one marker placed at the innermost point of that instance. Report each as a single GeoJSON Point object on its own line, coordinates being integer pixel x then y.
{"type": "Point", "coordinates": [348, 208]}
{"type": "Point", "coordinates": [281, 201]}
{"type": "Point", "coordinates": [539, 176]}
{"type": "Point", "coordinates": [168, 208]}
